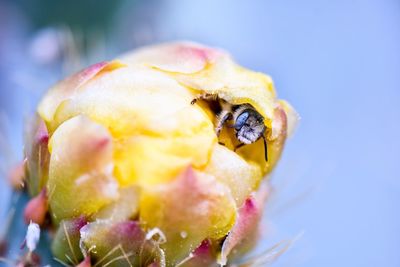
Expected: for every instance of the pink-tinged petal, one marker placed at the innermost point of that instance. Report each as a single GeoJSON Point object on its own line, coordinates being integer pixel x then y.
{"type": "Point", "coordinates": [81, 161]}
{"type": "Point", "coordinates": [292, 116]}
{"type": "Point", "coordinates": [244, 233]}
{"type": "Point", "coordinates": [204, 255]}
{"type": "Point", "coordinates": [279, 124]}
{"type": "Point", "coordinates": [275, 147]}
{"type": "Point", "coordinates": [36, 209]}
{"type": "Point", "coordinates": [68, 87]}
{"type": "Point", "coordinates": [120, 244]}
{"type": "Point", "coordinates": [184, 57]}
{"type": "Point", "coordinates": [205, 249]}
{"type": "Point", "coordinates": [188, 210]}
{"type": "Point", "coordinates": [85, 263]}
{"type": "Point", "coordinates": [37, 155]}
{"type": "Point", "coordinates": [65, 245]}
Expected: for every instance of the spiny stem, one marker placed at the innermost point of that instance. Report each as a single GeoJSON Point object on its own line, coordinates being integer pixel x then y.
{"type": "Point", "coordinates": [108, 254]}
{"type": "Point", "coordinates": [61, 262]}
{"type": "Point", "coordinates": [116, 259]}
{"type": "Point", "coordinates": [125, 256]}
{"type": "Point", "coordinates": [70, 245]}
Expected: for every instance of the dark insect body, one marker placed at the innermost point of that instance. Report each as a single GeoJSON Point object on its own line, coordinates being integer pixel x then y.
{"type": "Point", "coordinates": [247, 123]}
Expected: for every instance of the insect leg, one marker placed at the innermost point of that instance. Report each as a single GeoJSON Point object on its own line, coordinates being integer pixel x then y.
{"type": "Point", "coordinates": [238, 146]}
{"type": "Point", "coordinates": [205, 96]}
{"type": "Point", "coordinates": [221, 119]}
{"type": "Point", "coordinates": [265, 148]}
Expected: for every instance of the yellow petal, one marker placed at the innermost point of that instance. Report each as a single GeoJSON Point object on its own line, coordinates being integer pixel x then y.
{"type": "Point", "coordinates": [234, 84]}
{"type": "Point", "coordinates": [68, 87]}
{"type": "Point", "coordinates": [130, 100]}
{"type": "Point", "coordinates": [239, 176]}
{"type": "Point", "coordinates": [148, 160]}
{"type": "Point", "coordinates": [80, 180]}
{"type": "Point", "coordinates": [124, 208]}
{"type": "Point", "coordinates": [211, 70]}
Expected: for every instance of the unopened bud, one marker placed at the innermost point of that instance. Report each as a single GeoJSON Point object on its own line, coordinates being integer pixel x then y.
{"type": "Point", "coordinates": [36, 209]}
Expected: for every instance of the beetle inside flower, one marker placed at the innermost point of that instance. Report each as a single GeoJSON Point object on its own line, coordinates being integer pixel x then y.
{"type": "Point", "coordinates": [122, 149]}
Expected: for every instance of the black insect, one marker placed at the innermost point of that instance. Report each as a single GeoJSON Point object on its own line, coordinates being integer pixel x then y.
{"type": "Point", "coordinates": [247, 123]}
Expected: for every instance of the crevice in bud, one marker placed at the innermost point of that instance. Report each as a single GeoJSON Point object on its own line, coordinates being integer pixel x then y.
{"type": "Point", "coordinates": [85, 263]}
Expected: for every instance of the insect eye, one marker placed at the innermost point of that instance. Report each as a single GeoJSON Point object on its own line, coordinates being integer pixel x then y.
{"type": "Point", "coordinates": [241, 119]}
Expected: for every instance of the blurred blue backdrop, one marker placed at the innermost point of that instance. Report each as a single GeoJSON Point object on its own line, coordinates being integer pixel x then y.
{"type": "Point", "coordinates": [337, 62]}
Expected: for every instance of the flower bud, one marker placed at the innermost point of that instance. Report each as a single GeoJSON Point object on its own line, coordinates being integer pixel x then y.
{"type": "Point", "coordinates": [163, 152]}
{"type": "Point", "coordinates": [36, 209]}
{"type": "Point", "coordinates": [66, 242]}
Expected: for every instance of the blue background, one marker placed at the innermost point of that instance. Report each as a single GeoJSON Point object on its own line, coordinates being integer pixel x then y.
{"type": "Point", "coordinates": [337, 62]}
